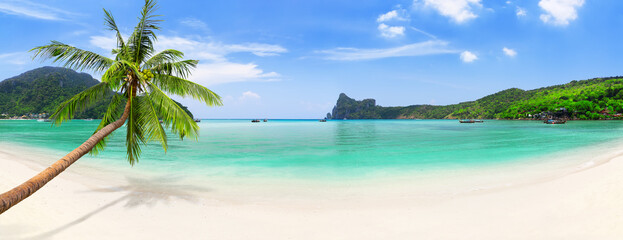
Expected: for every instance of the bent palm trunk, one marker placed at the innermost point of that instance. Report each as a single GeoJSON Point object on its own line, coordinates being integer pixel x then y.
{"type": "Point", "coordinates": [21, 192]}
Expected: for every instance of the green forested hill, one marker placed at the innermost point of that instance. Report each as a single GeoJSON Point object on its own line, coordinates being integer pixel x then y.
{"type": "Point", "coordinates": [599, 98]}
{"type": "Point", "coordinates": [41, 90]}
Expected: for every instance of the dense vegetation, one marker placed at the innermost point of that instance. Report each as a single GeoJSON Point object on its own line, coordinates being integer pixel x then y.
{"type": "Point", "coordinates": [43, 89]}
{"type": "Point", "coordinates": [599, 98]}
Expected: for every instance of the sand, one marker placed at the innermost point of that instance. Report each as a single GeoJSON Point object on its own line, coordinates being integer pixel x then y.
{"type": "Point", "coordinates": [558, 201]}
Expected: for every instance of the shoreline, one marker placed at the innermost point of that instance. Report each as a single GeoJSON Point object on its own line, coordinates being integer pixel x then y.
{"type": "Point", "coordinates": [573, 202]}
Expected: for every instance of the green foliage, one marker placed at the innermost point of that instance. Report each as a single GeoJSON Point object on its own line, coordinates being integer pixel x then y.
{"type": "Point", "coordinates": [579, 99]}
{"type": "Point", "coordinates": [43, 89]}
{"type": "Point", "coordinates": [135, 77]}
{"type": "Point", "coordinates": [575, 100]}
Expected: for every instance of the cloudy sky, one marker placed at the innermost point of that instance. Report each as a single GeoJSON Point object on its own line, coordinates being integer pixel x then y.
{"type": "Point", "coordinates": [291, 59]}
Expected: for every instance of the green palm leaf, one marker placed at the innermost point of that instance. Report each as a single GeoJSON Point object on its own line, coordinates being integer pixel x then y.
{"type": "Point", "coordinates": [136, 77]}
{"type": "Point", "coordinates": [172, 115]}
{"type": "Point", "coordinates": [134, 135]}
{"type": "Point", "coordinates": [141, 40]}
{"type": "Point", "coordinates": [114, 111]}
{"type": "Point", "coordinates": [166, 56]}
{"type": "Point", "coordinates": [112, 25]}
{"type": "Point", "coordinates": [181, 68]}
{"type": "Point", "coordinates": [115, 75]}
{"type": "Point", "coordinates": [73, 57]}
{"type": "Point", "coordinates": [184, 88]}
{"type": "Point", "coordinates": [80, 102]}
{"type": "Point", "coordinates": [153, 128]}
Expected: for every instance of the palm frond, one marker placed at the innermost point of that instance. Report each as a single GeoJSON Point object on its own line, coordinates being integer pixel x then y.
{"type": "Point", "coordinates": [112, 25]}
{"type": "Point", "coordinates": [152, 127]}
{"type": "Point", "coordinates": [115, 75]}
{"type": "Point", "coordinates": [80, 102]}
{"type": "Point", "coordinates": [134, 135]}
{"type": "Point", "coordinates": [172, 115]}
{"type": "Point", "coordinates": [113, 112]}
{"type": "Point", "coordinates": [184, 88]}
{"type": "Point", "coordinates": [141, 40]}
{"type": "Point", "coordinates": [73, 57]}
{"type": "Point", "coordinates": [133, 68]}
{"type": "Point", "coordinates": [179, 69]}
{"type": "Point", "coordinates": [166, 56]}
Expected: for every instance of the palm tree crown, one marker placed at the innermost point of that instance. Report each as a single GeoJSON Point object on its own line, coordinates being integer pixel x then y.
{"type": "Point", "coordinates": [137, 78]}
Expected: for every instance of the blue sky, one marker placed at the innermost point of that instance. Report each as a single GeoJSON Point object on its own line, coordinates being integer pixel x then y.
{"type": "Point", "coordinates": [291, 59]}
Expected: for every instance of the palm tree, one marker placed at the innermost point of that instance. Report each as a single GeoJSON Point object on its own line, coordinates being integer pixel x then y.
{"type": "Point", "coordinates": [137, 79]}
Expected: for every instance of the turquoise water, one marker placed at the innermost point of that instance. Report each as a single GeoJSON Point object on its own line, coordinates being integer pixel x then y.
{"type": "Point", "coordinates": [308, 148]}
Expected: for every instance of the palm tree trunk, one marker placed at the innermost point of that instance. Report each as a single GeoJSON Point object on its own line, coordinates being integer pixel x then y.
{"type": "Point", "coordinates": [21, 192]}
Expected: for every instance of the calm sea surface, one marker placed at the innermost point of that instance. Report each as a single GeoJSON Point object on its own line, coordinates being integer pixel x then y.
{"type": "Point", "coordinates": [308, 148]}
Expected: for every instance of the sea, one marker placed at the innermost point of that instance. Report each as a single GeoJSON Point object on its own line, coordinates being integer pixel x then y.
{"type": "Point", "coordinates": [340, 149]}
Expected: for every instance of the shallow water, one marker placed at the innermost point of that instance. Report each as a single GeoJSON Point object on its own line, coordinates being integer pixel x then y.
{"type": "Point", "coordinates": [334, 149]}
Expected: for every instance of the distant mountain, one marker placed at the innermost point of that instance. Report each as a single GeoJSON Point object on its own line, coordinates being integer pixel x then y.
{"type": "Point", "coordinates": [350, 108]}
{"type": "Point", "coordinates": [43, 89]}
{"type": "Point", "coordinates": [599, 98]}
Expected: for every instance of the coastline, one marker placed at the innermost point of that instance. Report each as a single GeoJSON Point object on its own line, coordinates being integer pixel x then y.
{"type": "Point", "coordinates": [577, 201]}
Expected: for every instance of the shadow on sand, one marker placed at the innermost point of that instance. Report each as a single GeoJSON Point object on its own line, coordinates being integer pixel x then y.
{"type": "Point", "coordinates": [139, 192]}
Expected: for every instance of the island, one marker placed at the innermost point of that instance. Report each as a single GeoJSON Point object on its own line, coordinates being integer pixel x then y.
{"type": "Point", "coordinates": [593, 99]}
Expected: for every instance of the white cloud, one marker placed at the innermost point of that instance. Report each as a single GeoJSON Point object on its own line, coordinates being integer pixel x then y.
{"type": "Point", "coordinates": [391, 15]}
{"type": "Point", "coordinates": [468, 56]}
{"type": "Point", "coordinates": [104, 42]}
{"type": "Point", "coordinates": [33, 10]}
{"type": "Point", "coordinates": [391, 32]}
{"type": "Point", "coordinates": [210, 74]}
{"type": "Point", "coordinates": [198, 48]}
{"type": "Point", "coordinates": [509, 52]}
{"type": "Point", "coordinates": [259, 49]}
{"type": "Point", "coordinates": [214, 66]}
{"type": "Point", "coordinates": [560, 12]}
{"type": "Point", "coordinates": [432, 47]}
{"type": "Point", "coordinates": [387, 16]}
{"type": "Point", "coordinates": [248, 95]}
{"type": "Point", "coordinates": [15, 58]}
{"type": "Point", "coordinates": [216, 50]}
{"type": "Point", "coordinates": [458, 10]}
{"type": "Point", "coordinates": [194, 23]}
{"type": "Point", "coordinates": [521, 12]}
{"type": "Point", "coordinates": [425, 33]}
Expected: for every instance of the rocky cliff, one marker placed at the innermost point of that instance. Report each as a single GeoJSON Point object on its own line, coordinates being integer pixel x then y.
{"type": "Point", "coordinates": [349, 108]}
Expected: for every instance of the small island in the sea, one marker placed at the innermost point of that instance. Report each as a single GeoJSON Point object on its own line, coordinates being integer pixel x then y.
{"type": "Point", "coordinates": [593, 99]}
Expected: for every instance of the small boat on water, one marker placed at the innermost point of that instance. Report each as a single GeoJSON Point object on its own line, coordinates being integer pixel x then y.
{"type": "Point", "coordinates": [88, 119]}
{"type": "Point", "coordinates": [470, 121]}
{"type": "Point", "coordinates": [322, 120]}
{"type": "Point", "coordinates": [255, 120]}
{"type": "Point", "coordinates": [554, 121]}
{"type": "Point", "coordinates": [197, 120]}
{"type": "Point", "coordinates": [265, 120]}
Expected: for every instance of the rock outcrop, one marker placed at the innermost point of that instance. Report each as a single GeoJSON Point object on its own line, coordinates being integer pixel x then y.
{"type": "Point", "coordinates": [348, 108]}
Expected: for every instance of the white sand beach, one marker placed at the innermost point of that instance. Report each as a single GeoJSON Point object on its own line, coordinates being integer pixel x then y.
{"type": "Point", "coordinates": [582, 201]}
